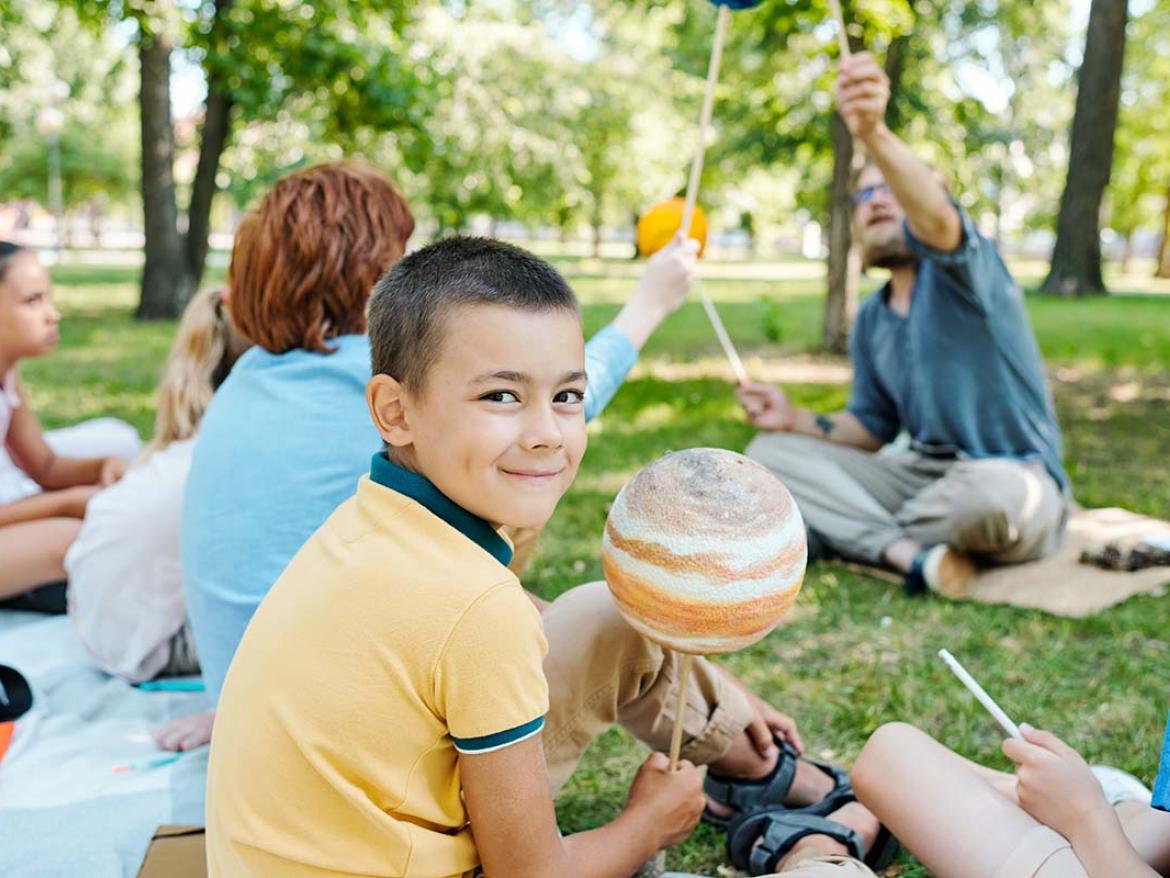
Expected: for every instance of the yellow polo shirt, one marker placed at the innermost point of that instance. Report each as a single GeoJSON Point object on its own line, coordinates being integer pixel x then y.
{"type": "Point", "coordinates": [395, 639]}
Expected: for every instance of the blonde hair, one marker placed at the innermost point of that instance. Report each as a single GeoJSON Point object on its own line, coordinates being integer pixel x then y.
{"type": "Point", "coordinates": [200, 358]}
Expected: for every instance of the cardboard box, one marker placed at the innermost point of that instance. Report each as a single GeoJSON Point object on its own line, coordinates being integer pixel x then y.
{"type": "Point", "coordinates": [176, 852]}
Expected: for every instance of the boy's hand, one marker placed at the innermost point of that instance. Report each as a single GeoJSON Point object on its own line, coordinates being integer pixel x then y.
{"type": "Point", "coordinates": [1054, 783]}
{"type": "Point", "coordinates": [767, 407]}
{"type": "Point", "coordinates": [671, 801]}
{"type": "Point", "coordinates": [113, 468]}
{"type": "Point", "coordinates": [768, 724]}
{"type": "Point", "coordinates": [667, 279]}
{"type": "Point", "coordinates": [863, 90]}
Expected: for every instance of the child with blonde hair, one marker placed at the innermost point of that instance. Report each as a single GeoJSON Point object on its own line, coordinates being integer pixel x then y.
{"type": "Point", "coordinates": [125, 578]}
{"type": "Point", "coordinates": [46, 479]}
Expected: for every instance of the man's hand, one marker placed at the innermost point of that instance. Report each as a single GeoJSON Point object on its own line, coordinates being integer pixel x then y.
{"type": "Point", "coordinates": [113, 468]}
{"type": "Point", "coordinates": [672, 801]}
{"type": "Point", "coordinates": [1055, 784]}
{"type": "Point", "coordinates": [767, 724]}
{"type": "Point", "coordinates": [766, 406]}
{"type": "Point", "coordinates": [863, 91]}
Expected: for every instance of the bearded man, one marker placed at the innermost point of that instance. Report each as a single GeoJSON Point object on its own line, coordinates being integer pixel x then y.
{"type": "Point", "coordinates": [943, 352]}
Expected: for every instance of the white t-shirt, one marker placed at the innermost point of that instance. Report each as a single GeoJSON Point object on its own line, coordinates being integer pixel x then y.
{"type": "Point", "coordinates": [125, 578]}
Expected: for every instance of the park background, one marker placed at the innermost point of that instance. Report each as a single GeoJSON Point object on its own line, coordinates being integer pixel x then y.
{"type": "Point", "coordinates": [134, 133]}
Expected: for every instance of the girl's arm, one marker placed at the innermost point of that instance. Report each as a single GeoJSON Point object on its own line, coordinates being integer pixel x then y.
{"type": "Point", "coordinates": [67, 503]}
{"type": "Point", "coordinates": [1056, 787]}
{"type": "Point", "coordinates": [26, 443]}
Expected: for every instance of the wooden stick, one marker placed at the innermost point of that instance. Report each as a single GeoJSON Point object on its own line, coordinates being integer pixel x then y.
{"type": "Point", "coordinates": [842, 36]}
{"type": "Point", "coordinates": [693, 186]}
{"type": "Point", "coordinates": [741, 376]}
{"type": "Point", "coordinates": [684, 680]}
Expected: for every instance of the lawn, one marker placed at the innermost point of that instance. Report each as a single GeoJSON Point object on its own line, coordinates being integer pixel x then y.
{"type": "Point", "coordinates": [855, 652]}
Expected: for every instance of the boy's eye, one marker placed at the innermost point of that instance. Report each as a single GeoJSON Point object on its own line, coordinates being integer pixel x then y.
{"type": "Point", "coordinates": [501, 396]}
{"type": "Point", "coordinates": [35, 299]}
{"type": "Point", "coordinates": [573, 397]}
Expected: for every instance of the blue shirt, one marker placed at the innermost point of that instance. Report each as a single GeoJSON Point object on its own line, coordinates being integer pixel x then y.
{"type": "Point", "coordinates": [1162, 782]}
{"type": "Point", "coordinates": [283, 443]}
{"type": "Point", "coordinates": [961, 372]}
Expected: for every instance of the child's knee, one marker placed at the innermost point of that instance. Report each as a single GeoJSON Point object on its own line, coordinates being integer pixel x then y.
{"type": "Point", "coordinates": [881, 755]}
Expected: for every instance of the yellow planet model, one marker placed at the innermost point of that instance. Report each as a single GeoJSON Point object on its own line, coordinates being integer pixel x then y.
{"type": "Point", "coordinates": [660, 223]}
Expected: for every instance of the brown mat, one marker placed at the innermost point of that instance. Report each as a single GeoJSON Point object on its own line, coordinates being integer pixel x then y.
{"type": "Point", "coordinates": [1061, 585]}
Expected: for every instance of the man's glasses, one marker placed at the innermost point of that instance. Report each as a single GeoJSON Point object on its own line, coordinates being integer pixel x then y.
{"type": "Point", "coordinates": [867, 193]}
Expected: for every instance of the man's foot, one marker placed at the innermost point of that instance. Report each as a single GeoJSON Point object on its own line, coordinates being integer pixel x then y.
{"type": "Point", "coordinates": [186, 732]}
{"type": "Point", "coordinates": [943, 570]}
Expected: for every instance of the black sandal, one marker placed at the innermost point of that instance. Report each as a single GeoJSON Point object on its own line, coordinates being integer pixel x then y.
{"type": "Point", "coordinates": [777, 830]}
{"type": "Point", "coordinates": [770, 791]}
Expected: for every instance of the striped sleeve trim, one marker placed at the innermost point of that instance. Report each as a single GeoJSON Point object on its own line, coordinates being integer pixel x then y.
{"type": "Point", "coordinates": [499, 740]}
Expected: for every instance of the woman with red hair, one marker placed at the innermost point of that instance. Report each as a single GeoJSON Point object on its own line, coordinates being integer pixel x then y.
{"type": "Point", "coordinates": [288, 435]}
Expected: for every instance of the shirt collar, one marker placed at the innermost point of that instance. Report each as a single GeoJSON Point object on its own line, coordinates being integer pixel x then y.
{"type": "Point", "coordinates": [420, 489]}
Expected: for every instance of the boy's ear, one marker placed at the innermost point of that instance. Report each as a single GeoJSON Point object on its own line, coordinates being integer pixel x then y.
{"type": "Point", "coordinates": [388, 401]}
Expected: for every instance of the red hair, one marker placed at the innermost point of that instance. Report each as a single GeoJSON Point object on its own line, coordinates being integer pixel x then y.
{"type": "Point", "coordinates": [306, 257]}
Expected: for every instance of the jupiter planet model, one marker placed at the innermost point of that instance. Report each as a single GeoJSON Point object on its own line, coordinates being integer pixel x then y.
{"type": "Point", "coordinates": [704, 551]}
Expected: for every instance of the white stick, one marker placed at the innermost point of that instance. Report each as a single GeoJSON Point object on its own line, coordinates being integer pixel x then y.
{"type": "Point", "coordinates": [842, 37]}
{"type": "Point", "coordinates": [980, 694]}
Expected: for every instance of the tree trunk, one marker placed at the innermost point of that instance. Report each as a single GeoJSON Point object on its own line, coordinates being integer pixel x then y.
{"type": "Point", "coordinates": [841, 301]}
{"type": "Point", "coordinates": [166, 280]}
{"type": "Point", "coordinates": [1163, 269]}
{"type": "Point", "coordinates": [1076, 258]}
{"type": "Point", "coordinates": [216, 130]}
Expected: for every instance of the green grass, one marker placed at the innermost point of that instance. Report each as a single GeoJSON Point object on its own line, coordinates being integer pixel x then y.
{"type": "Point", "coordinates": [854, 653]}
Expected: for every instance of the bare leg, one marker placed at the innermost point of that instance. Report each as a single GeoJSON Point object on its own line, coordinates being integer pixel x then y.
{"type": "Point", "coordinates": [34, 553]}
{"type": "Point", "coordinates": [186, 732]}
{"type": "Point", "coordinates": [955, 819]}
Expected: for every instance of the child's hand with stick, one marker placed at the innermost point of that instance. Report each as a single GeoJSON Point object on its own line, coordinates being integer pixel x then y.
{"type": "Point", "coordinates": [1054, 783]}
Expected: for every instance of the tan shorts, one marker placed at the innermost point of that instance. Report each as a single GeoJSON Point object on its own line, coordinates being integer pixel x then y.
{"type": "Point", "coordinates": [1042, 853]}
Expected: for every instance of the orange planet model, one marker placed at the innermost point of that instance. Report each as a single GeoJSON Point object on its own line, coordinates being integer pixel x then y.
{"type": "Point", "coordinates": [660, 223]}
{"type": "Point", "coordinates": [704, 551]}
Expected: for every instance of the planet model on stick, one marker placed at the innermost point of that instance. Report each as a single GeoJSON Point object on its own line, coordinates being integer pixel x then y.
{"type": "Point", "coordinates": [704, 551]}
{"type": "Point", "coordinates": [658, 225]}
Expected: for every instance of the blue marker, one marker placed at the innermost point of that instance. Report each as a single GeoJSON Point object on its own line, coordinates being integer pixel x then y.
{"type": "Point", "coordinates": [172, 686]}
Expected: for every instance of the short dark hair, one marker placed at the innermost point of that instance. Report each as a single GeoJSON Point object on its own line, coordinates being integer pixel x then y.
{"type": "Point", "coordinates": [410, 302]}
{"type": "Point", "coordinates": [8, 252]}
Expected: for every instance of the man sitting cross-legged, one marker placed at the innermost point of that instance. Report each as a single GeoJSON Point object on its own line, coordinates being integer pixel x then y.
{"type": "Point", "coordinates": [944, 352]}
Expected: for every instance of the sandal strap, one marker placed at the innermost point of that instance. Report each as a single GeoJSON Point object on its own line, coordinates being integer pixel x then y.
{"type": "Point", "coordinates": [783, 829]}
{"type": "Point", "coordinates": [743, 795]}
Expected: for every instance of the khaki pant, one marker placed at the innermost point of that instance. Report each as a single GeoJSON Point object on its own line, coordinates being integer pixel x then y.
{"type": "Point", "coordinates": [1003, 511]}
{"type": "Point", "coordinates": [601, 672]}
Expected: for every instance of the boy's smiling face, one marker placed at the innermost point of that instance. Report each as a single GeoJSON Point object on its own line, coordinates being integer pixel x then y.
{"type": "Point", "coordinates": [499, 424]}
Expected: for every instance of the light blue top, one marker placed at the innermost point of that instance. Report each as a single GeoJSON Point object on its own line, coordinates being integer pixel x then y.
{"type": "Point", "coordinates": [283, 443]}
{"type": "Point", "coordinates": [961, 373]}
{"type": "Point", "coordinates": [1162, 782]}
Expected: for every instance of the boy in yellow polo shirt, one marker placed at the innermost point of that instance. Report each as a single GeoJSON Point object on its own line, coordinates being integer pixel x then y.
{"type": "Point", "coordinates": [392, 693]}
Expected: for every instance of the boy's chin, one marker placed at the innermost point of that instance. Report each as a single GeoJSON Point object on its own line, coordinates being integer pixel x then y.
{"type": "Point", "coordinates": [523, 518]}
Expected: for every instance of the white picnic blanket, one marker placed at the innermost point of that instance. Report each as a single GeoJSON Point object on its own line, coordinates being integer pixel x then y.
{"type": "Point", "coordinates": [64, 811]}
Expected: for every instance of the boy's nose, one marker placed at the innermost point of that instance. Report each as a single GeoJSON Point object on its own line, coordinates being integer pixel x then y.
{"type": "Point", "coordinates": [543, 430]}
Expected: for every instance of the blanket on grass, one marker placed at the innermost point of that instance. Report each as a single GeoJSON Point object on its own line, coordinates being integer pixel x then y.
{"type": "Point", "coordinates": [64, 810]}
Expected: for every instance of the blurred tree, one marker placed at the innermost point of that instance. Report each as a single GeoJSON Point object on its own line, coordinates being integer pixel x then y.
{"type": "Point", "coordinates": [255, 56]}
{"type": "Point", "coordinates": [1076, 258]}
{"type": "Point", "coordinates": [1139, 192]}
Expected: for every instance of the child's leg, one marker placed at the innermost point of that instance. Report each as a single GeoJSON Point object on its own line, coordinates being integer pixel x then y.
{"type": "Point", "coordinates": [949, 814]}
{"type": "Point", "coordinates": [602, 672]}
{"type": "Point", "coordinates": [34, 553]}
